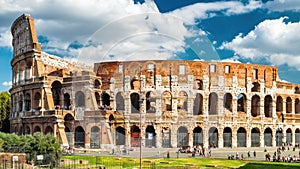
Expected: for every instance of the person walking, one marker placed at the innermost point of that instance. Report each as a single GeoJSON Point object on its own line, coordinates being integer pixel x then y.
{"type": "Point", "coordinates": [254, 154]}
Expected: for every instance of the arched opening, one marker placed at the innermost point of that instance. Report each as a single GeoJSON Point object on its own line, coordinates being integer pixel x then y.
{"type": "Point", "coordinates": [268, 106]}
{"type": "Point", "coordinates": [198, 84]}
{"type": "Point", "coordinates": [198, 105]}
{"type": "Point", "coordinates": [166, 137]}
{"type": "Point", "coordinates": [255, 138]}
{"type": "Point", "coordinates": [297, 106]}
{"type": "Point", "coordinates": [197, 136]}
{"type": "Point", "coordinates": [97, 84]}
{"type": "Point", "coordinates": [36, 129]}
{"type": "Point", "coordinates": [98, 100]}
{"type": "Point", "coordinates": [166, 101]}
{"type": "Point", "coordinates": [27, 130]}
{"type": "Point", "coordinates": [27, 102]}
{"type": "Point", "coordinates": [69, 128]}
{"type": "Point", "coordinates": [227, 137]}
{"type": "Point", "coordinates": [120, 136]}
{"type": "Point", "coordinates": [67, 102]}
{"type": "Point", "coordinates": [297, 91]}
{"type": "Point", "coordinates": [105, 99]}
{"type": "Point", "coordinates": [256, 87]}
{"type": "Point", "coordinates": [255, 105]}
{"type": "Point", "coordinates": [279, 137]}
{"type": "Point", "coordinates": [79, 137]}
{"type": "Point", "coordinates": [150, 136]}
{"type": "Point", "coordinates": [182, 137]}
{"type": "Point", "coordinates": [79, 99]}
{"type": "Point", "coordinates": [288, 105]}
{"type": "Point", "coordinates": [213, 104]}
{"type": "Point", "coordinates": [297, 136]}
{"type": "Point", "coordinates": [182, 101]}
{"type": "Point", "coordinates": [48, 130]}
{"type": "Point", "coordinates": [279, 104]}
{"type": "Point", "coordinates": [268, 137]}
{"type": "Point", "coordinates": [135, 104]}
{"type": "Point", "coordinates": [213, 137]}
{"type": "Point", "coordinates": [289, 136]}
{"type": "Point", "coordinates": [150, 102]}
{"type": "Point", "coordinates": [242, 103]}
{"type": "Point", "coordinates": [37, 101]}
{"type": "Point", "coordinates": [228, 101]}
{"type": "Point", "coordinates": [120, 106]}
{"type": "Point", "coordinates": [241, 137]}
{"type": "Point", "coordinates": [135, 136]}
{"type": "Point", "coordinates": [95, 137]}
{"type": "Point", "coordinates": [56, 93]}
{"type": "Point", "coordinates": [21, 103]}
{"type": "Point", "coordinates": [135, 84]}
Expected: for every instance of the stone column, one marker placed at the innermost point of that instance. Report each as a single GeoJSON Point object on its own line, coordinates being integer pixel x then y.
{"type": "Point", "coordinates": [220, 138]}
{"type": "Point", "coordinates": [191, 138]}
{"type": "Point", "coordinates": [248, 138]}
{"type": "Point", "coordinates": [234, 138]}
{"type": "Point", "coordinates": [158, 138]}
{"type": "Point", "coordinates": [293, 137]}
{"type": "Point", "coordinates": [274, 138]}
{"type": "Point", "coordinates": [205, 136]}
{"type": "Point", "coordinates": [262, 139]}
{"type": "Point", "coordinates": [127, 135]}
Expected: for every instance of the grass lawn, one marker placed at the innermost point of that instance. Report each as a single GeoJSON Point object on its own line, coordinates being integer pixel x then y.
{"type": "Point", "coordinates": [175, 163]}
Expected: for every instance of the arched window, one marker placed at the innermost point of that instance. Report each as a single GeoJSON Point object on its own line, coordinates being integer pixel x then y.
{"type": "Point", "coordinates": [120, 102]}
{"type": "Point", "coordinates": [37, 101]}
{"type": "Point", "coordinates": [198, 84]}
{"type": "Point", "coordinates": [27, 102]}
{"type": "Point", "coordinates": [198, 104]}
{"type": "Point", "coordinates": [279, 104]}
{"type": "Point", "coordinates": [255, 106]}
{"type": "Point", "coordinates": [79, 99]}
{"type": "Point", "coordinates": [150, 102]}
{"type": "Point", "coordinates": [135, 104]}
{"type": "Point", "coordinates": [105, 99]}
{"type": "Point", "coordinates": [242, 103]}
{"type": "Point", "coordinates": [297, 106]}
{"type": "Point", "coordinates": [56, 93]}
{"type": "Point", "coordinates": [288, 105]}
{"type": "Point", "coordinates": [228, 101]}
{"type": "Point", "coordinates": [182, 101]}
{"type": "Point", "coordinates": [213, 104]}
{"type": "Point", "coordinates": [167, 101]}
{"type": "Point", "coordinates": [97, 84]}
{"type": "Point", "coordinates": [256, 87]}
{"type": "Point", "coordinates": [268, 106]}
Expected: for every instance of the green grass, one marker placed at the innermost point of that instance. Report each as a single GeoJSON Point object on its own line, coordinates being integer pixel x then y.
{"type": "Point", "coordinates": [178, 162]}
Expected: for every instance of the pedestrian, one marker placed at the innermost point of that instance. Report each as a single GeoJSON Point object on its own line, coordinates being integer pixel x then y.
{"type": "Point", "coordinates": [254, 154]}
{"type": "Point", "coordinates": [168, 154]}
{"type": "Point", "coordinates": [248, 154]}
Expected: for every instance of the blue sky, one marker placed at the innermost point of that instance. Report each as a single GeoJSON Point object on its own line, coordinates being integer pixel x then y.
{"type": "Point", "coordinates": [247, 31]}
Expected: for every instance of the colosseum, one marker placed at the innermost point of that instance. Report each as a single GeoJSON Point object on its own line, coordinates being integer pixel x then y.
{"type": "Point", "coordinates": [155, 103]}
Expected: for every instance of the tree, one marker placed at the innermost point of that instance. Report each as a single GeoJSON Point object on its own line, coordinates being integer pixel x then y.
{"type": "Point", "coordinates": [4, 111]}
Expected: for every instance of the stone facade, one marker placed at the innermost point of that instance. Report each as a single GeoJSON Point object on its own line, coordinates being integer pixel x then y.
{"type": "Point", "coordinates": [167, 103]}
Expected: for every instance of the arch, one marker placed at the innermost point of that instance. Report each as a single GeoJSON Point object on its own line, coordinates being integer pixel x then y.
{"type": "Point", "coordinates": [48, 130]}
{"type": "Point", "coordinates": [255, 137]}
{"type": "Point", "coordinates": [135, 84]}
{"type": "Point", "coordinates": [95, 137]}
{"type": "Point", "coordinates": [182, 137]}
{"type": "Point", "coordinates": [296, 90]}
{"type": "Point", "coordinates": [198, 104]}
{"type": "Point", "coordinates": [297, 106]}
{"type": "Point", "coordinates": [279, 137]}
{"type": "Point", "coordinates": [241, 137]}
{"type": "Point", "coordinates": [27, 130]}
{"type": "Point", "coordinates": [198, 85]}
{"type": "Point", "coordinates": [268, 137]}
{"type": "Point", "coordinates": [288, 105]}
{"type": "Point", "coordinates": [120, 105]}
{"type": "Point", "coordinates": [182, 101]}
{"type": "Point", "coordinates": [135, 136]}
{"type": "Point", "coordinates": [97, 84]}
{"type": "Point", "coordinates": [120, 136]}
{"type": "Point", "coordinates": [68, 117]}
{"type": "Point", "coordinates": [20, 103]}
{"type": "Point", "coordinates": [228, 101]}
{"type": "Point", "coordinates": [79, 137]}
{"type": "Point", "coordinates": [37, 129]}
{"type": "Point", "coordinates": [79, 99]}
{"type": "Point", "coordinates": [166, 137]}
{"type": "Point", "coordinates": [150, 102]}
{"type": "Point", "coordinates": [213, 104]}
{"type": "Point", "coordinates": [150, 136]}
{"type": "Point", "coordinates": [227, 137]}
{"type": "Point", "coordinates": [256, 87]}
{"type": "Point", "coordinates": [268, 106]}
{"type": "Point", "coordinates": [105, 99]}
{"type": "Point", "coordinates": [166, 101]}
{"type": "Point", "coordinates": [289, 136]}
{"type": "Point", "coordinates": [297, 136]}
{"type": "Point", "coordinates": [67, 102]}
{"type": "Point", "coordinates": [37, 101]}
{"type": "Point", "coordinates": [56, 87]}
{"type": "Point", "coordinates": [27, 102]}
{"type": "Point", "coordinates": [255, 105]}
{"type": "Point", "coordinates": [213, 137]}
{"type": "Point", "coordinates": [197, 136]}
{"type": "Point", "coordinates": [279, 104]}
{"type": "Point", "coordinates": [241, 103]}
{"type": "Point", "coordinates": [135, 102]}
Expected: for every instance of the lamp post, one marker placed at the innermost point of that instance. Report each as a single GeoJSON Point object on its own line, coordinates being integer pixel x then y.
{"type": "Point", "coordinates": [141, 100]}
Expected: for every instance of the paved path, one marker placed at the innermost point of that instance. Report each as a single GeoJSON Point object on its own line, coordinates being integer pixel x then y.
{"type": "Point", "coordinates": [215, 153]}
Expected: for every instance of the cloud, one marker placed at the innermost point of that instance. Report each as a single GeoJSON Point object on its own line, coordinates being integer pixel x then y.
{"type": "Point", "coordinates": [7, 83]}
{"type": "Point", "coordinates": [275, 40]}
{"type": "Point", "coordinates": [283, 5]}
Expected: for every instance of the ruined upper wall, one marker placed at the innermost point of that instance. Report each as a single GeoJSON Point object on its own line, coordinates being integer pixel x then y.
{"type": "Point", "coordinates": [24, 35]}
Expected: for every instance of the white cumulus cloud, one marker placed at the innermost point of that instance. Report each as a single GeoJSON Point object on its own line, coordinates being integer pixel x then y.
{"type": "Point", "coordinates": [276, 40]}
{"type": "Point", "coordinates": [7, 83]}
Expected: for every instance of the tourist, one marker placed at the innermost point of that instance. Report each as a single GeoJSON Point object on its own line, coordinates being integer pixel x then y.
{"type": "Point", "coordinates": [254, 154]}
{"type": "Point", "coordinates": [248, 154]}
